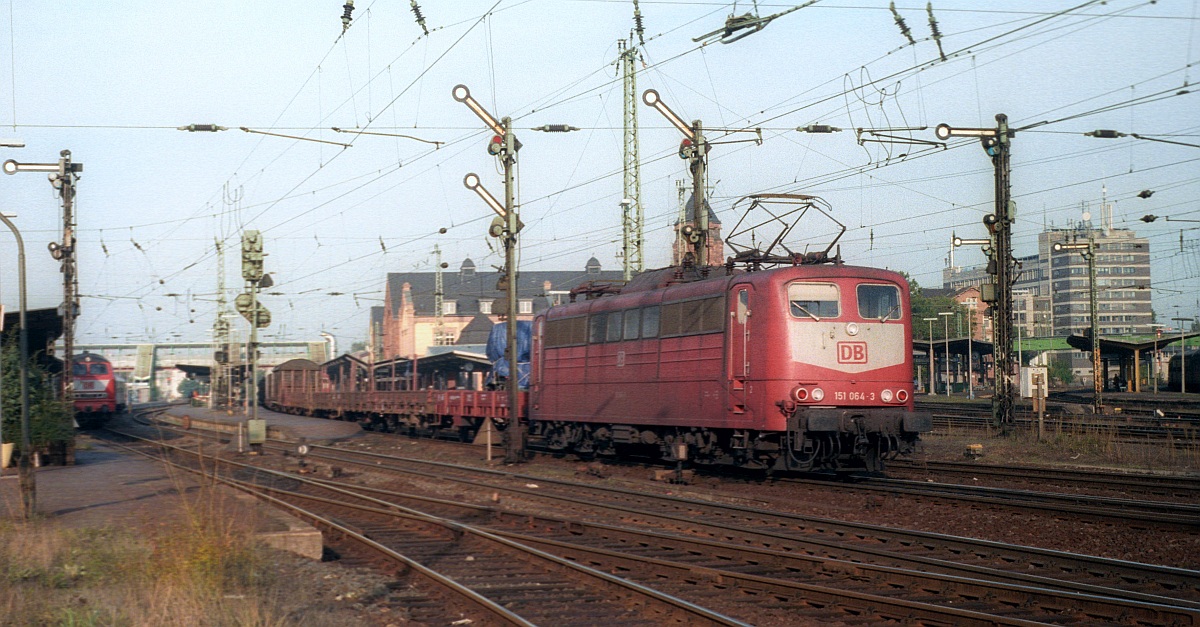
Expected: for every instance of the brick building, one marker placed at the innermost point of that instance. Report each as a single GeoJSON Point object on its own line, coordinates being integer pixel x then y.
{"type": "Point", "coordinates": [471, 302]}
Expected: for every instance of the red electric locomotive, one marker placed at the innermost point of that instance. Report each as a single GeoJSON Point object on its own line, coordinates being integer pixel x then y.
{"type": "Point", "coordinates": [797, 368]}
{"type": "Point", "coordinates": [98, 392]}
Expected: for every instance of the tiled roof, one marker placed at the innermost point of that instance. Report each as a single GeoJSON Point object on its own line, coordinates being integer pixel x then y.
{"type": "Point", "coordinates": [691, 211]}
{"type": "Point", "coordinates": [476, 331]}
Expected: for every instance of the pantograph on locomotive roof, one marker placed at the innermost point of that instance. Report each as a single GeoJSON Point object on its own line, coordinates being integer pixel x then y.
{"type": "Point", "coordinates": [779, 213]}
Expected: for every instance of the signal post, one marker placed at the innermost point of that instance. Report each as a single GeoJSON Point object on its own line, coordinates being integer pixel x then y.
{"type": "Point", "coordinates": [259, 317]}
{"type": "Point", "coordinates": [62, 175]}
{"type": "Point", "coordinates": [506, 225]}
{"type": "Point", "coordinates": [694, 149]}
{"type": "Point", "coordinates": [997, 142]}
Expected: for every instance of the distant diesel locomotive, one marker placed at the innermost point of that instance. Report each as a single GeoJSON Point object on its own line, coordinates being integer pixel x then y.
{"type": "Point", "coordinates": [799, 367]}
{"type": "Point", "coordinates": [98, 392]}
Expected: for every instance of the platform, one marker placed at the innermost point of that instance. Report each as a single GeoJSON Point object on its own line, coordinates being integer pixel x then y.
{"type": "Point", "coordinates": [279, 426]}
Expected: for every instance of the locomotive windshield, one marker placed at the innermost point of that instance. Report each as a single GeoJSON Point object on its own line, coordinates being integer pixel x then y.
{"type": "Point", "coordinates": [879, 302]}
{"type": "Point", "coordinates": [814, 300]}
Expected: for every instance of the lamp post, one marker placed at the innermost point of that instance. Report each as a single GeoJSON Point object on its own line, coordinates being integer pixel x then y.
{"type": "Point", "coordinates": [26, 478]}
{"type": "Point", "coordinates": [1020, 357]}
{"type": "Point", "coordinates": [946, 320]}
{"type": "Point", "coordinates": [970, 355]}
{"type": "Point", "coordinates": [1088, 251]}
{"type": "Point", "coordinates": [986, 245]}
{"type": "Point", "coordinates": [505, 146]}
{"type": "Point", "coordinates": [932, 387]}
{"type": "Point", "coordinates": [1156, 329]}
{"type": "Point", "coordinates": [1182, 355]}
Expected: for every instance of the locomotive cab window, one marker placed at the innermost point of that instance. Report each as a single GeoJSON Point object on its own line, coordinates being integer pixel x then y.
{"type": "Point", "coordinates": [97, 369]}
{"type": "Point", "coordinates": [814, 300]}
{"type": "Point", "coordinates": [879, 302]}
{"type": "Point", "coordinates": [78, 369]}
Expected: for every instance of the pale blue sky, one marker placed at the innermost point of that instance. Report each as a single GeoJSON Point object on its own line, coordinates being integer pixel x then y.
{"type": "Point", "coordinates": [112, 81]}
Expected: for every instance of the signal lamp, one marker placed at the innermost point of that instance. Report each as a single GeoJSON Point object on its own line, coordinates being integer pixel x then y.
{"type": "Point", "coordinates": [686, 149]}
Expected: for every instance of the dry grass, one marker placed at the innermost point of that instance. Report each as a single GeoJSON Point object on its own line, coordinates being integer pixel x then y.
{"type": "Point", "coordinates": [206, 570]}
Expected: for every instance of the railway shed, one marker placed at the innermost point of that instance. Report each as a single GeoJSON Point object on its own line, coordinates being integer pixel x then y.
{"type": "Point", "coordinates": [925, 351]}
{"type": "Point", "coordinates": [1128, 353]}
{"type": "Point", "coordinates": [45, 326]}
{"type": "Point", "coordinates": [346, 372]}
{"type": "Point", "coordinates": [452, 369]}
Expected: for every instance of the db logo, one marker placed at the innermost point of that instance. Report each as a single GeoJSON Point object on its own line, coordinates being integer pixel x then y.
{"type": "Point", "coordinates": [852, 352]}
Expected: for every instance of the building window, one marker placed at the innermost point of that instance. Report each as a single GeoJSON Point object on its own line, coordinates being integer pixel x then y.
{"type": "Point", "coordinates": [525, 307]}
{"type": "Point", "coordinates": [485, 307]}
{"type": "Point", "coordinates": [449, 307]}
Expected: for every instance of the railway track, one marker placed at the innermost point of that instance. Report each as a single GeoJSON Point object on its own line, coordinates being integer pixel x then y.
{"type": "Point", "coordinates": [1181, 427]}
{"type": "Point", "coordinates": [767, 579]}
{"type": "Point", "coordinates": [1173, 509]}
{"type": "Point", "coordinates": [1086, 506]}
{"type": "Point", "coordinates": [858, 542]}
{"type": "Point", "coordinates": [1162, 487]}
{"type": "Point", "coordinates": [499, 580]}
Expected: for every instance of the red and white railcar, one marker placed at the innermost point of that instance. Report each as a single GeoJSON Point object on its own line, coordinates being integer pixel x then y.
{"type": "Point", "coordinates": [98, 392]}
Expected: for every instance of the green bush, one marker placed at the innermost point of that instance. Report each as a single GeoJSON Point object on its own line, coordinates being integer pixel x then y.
{"type": "Point", "coordinates": [50, 420]}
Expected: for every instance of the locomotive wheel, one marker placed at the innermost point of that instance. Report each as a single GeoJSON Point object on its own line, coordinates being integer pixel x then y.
{"type": "Point", "coordinates": [873, 460]}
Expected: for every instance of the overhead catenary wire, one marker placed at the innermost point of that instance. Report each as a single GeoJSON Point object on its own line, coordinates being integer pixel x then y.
{"type": "Point", "coordinates": [372, 181]}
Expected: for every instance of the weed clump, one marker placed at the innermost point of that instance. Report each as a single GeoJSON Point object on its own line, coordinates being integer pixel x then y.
{"type": "Point", "coordinates": [202, 572]}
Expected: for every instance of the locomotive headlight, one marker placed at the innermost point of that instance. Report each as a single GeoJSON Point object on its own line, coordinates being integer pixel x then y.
{"type": "Point", "coordinates": [818, 394]}
{"type": "Point", "coordinates": [851, 328]}
{"type": "Point", "coordinates": [886, 395]}
{"type": "Point", "coordinates": [800, 394]}
{"type": "Point", "coordinates": [902, 396]}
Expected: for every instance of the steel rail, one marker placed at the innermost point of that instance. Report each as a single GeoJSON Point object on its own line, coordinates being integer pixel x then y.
{"type": "Point", "coordinates": [1101, 507]}
{"type": "Point", "coordinates": [886, 608]}
{"type": "Point", "coordinates": [483, 603]}
{"type": "Point", "coordinates": [730, 551]}
{"type": "Point", "coordinates": [1167, 578]}
{"type": "Point", "coordinates": [826, 594]}
{"type": "Point", "coordinates": [693, 611]}
{"type": "Point", "coordinates": [1181, 485]}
